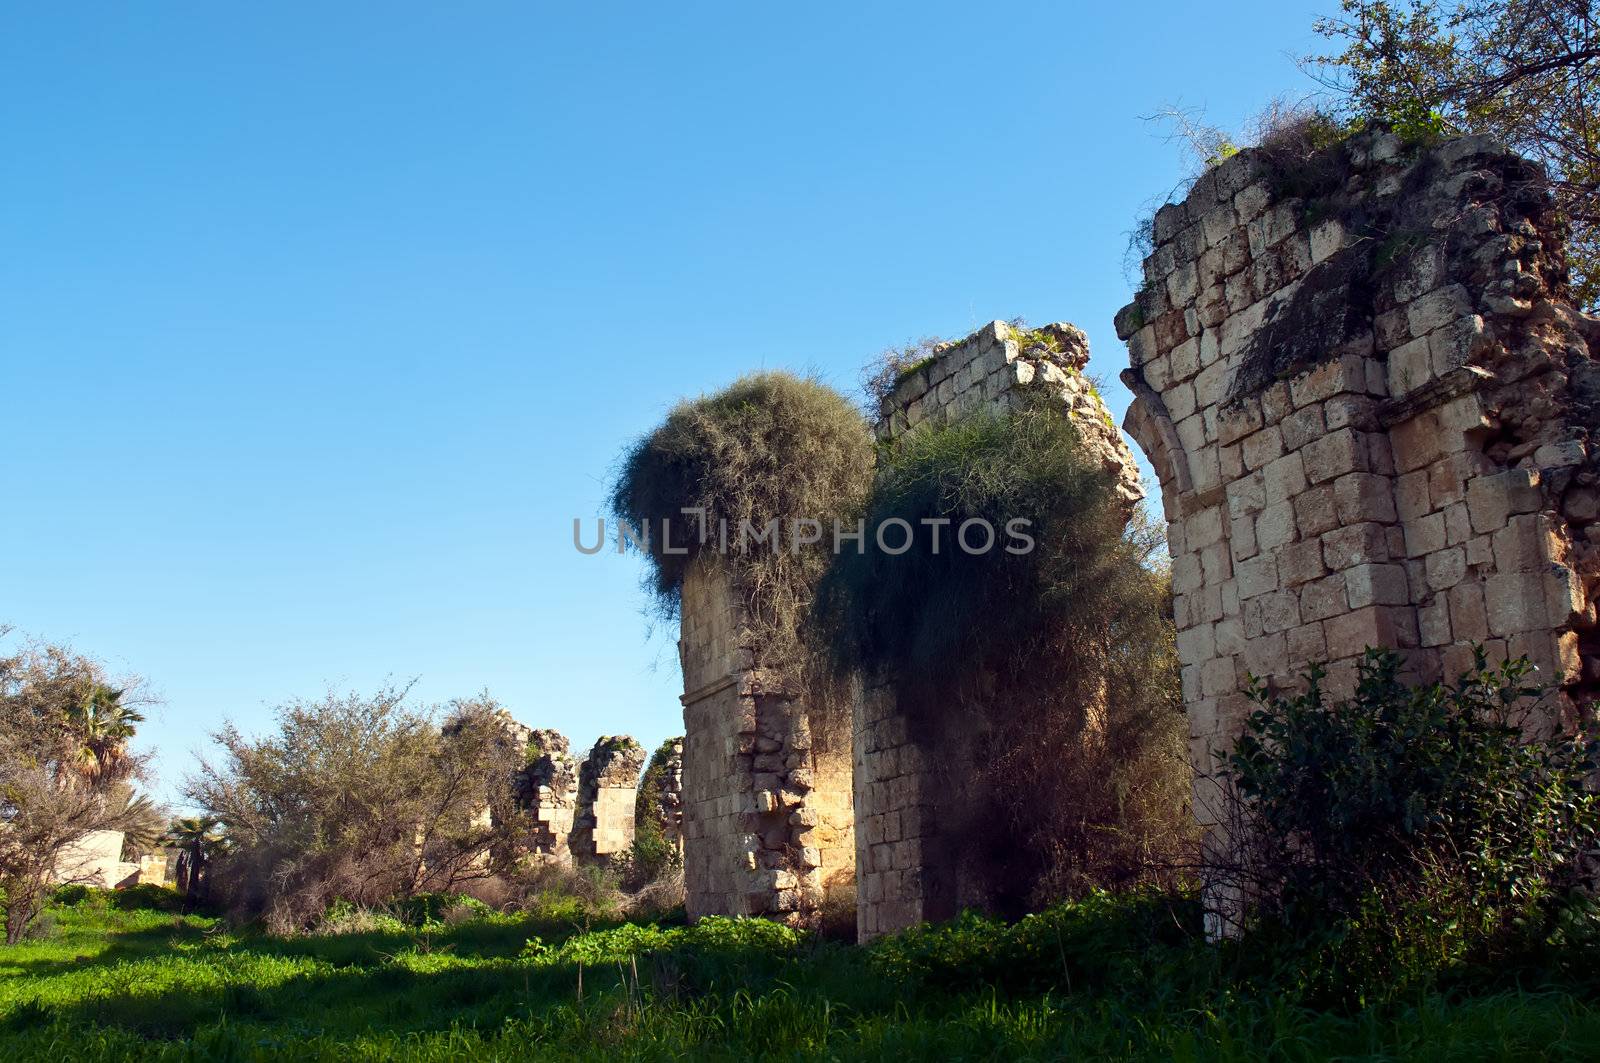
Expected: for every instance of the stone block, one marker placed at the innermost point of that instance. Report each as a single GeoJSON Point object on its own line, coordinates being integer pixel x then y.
{"type": "Point", "coordinates": [1280, 611]}
{"type": "Point", "coordinates": [1262, 447]}
{"type": "Point", "coordinates": [1355, 544]}
{"type": "Point", "coordinates": [1376, 585]}
{"type": "Point", "coordinates": [1247, 495]}
{"type": "Point", "coordinates": [1364, 496]}
{"type": "Point", "coordinates": [1412, 498]}
{"type": "Point", "coordinates": [1275, 526]}
{"type": "Point", "coordinates": [1257, 575]}
{"type": "Point", "coordinates": [1323, 599]}
{"type": "Point", "coordinates": [1410, 366]}
{"type": "Point", "coordinates": [1515, 602]}
{"type": "Point", "coordinates": [1334, 455]}
{"type": "Point", "coordinates": [1526, 544]}
{"type": "Point", "coordinates": [1305, 644]}
{"type": "Point", "coordinates": [1301, 562]}
{"type": "Point", "coordinates": [1491, 500]}
{"type": "Point", "coordinates": [1316, 511]}
{"type": "Point", "coordinates": [1416, 443]}
{"type": "Point", "coordinates": [1284, 478]}
{"type": "Point", "coordinates": [1376, 625]}
{"type": "Point", "coordinates": [1237, 419]}
{"type": "Point", "coordinates": [1437, 309]}
{"type": "Point", "coordinates": [1433, 622]}
{"type": "Point", "coordinates": [1446, 568]}
{"type": "Point", "coordinates": [1424, 535]}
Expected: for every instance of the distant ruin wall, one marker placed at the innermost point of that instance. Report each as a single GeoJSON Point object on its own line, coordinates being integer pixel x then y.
{"type": "Point", "coordinates": [608, 780]}
{"type": "Point", "coordinates": [547, 789]}
{"type": "Point", "coordinates": [1371, 411]}
{"type": "Point", "coordinates": [766, 771]}
{"type": "Point", "coordinates": [661, 795]}
{"type": "Point", "coordinates": [906, 775]}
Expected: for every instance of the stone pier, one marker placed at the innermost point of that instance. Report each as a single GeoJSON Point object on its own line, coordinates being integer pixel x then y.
{"type": "Point", "coordinates": [766, 770]}
{"type": "Point", "coordinates": [1371, 408]}
{"type": "Point", "coordinates": [907, 776]}
{"type": "Point", "coordinates": [608, 780]}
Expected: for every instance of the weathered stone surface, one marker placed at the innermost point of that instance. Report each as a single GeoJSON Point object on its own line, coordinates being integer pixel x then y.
{"type": "Point", "coordinates": [909, 870]}
{"type": "Point", "coordinates": [608, 780]}
{"type": "Point", "coordinates": [1405, 454]}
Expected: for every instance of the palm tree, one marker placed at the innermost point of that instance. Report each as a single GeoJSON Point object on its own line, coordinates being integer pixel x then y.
{"type": "Point", "coordinates": [195, 838]}
{"type": "Point", "coordinates": [99, 725]}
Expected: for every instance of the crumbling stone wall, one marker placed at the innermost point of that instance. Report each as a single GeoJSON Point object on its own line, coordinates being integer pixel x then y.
{"type": "Point", "coordinates": [1371, 410]}
{"type": "Point", "coordinates": [608, 780]}
{"type": "Point", "coordinates": [661, 794]}
{"type": "Point", "coordinates": [766, 770]}
{"type": "Point", "coordinates": [906, 775]}
{"type": "Point", "coordinates": [547, 789]}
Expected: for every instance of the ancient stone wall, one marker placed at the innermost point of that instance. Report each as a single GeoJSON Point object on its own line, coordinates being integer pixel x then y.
{"type": "Point", "coordinates": [661, 794]}
{"type": "Point", "coordinates": [907, 775]}
{"type": "Point", "coordinates": [547, 789]}
{"type": "Point", "coordinates": [1370, 409]}
{"type": "Point", "coordinates": [766, 770]}
{"type": "Point", "coordinates": [608, 780]}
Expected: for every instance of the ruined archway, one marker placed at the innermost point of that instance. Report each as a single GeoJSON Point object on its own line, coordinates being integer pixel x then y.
{"type": "Point", "coordinates": [1370, 405]}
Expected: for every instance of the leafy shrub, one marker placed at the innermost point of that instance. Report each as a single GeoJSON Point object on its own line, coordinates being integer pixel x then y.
{"type": "Point", "coordinates": [771, 446]}
{"type": "Point", "coordinates": [895, 365]}
{"type": "Point", "coordinates": [1058, 663]}
{"type": "Point", "coordinates": [1410, 827]}
{"type": "Point", "coordinates": [343, 917]}
{"type": "Point", "coordinates": [424, 908]}
{"type": "Point", "coordinates": [145, 897]}
{"type": "Point", "coordinates": [1103, 940]}
{"type": "Point", "coordinates": [72, 895]}
{"type": "Point", "coordinates": [652, 854]}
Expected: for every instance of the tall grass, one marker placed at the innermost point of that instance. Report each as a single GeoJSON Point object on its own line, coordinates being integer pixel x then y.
{"type": "Point", "coordinates": [1109, 978]}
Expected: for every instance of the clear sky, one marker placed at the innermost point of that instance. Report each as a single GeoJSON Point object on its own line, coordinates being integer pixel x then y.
{"type": "Point", "coordinates": [319, 323]}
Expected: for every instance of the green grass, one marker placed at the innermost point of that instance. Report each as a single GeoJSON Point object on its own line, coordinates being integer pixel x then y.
{"type": "Point", "coordinates": [147, 985]}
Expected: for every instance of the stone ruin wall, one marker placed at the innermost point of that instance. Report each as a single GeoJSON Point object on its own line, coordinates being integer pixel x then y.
{"type": "Point", "coordinates": [1371, 410]}
{"type": "Point", "coordinates": [608, 781]}
{"type": "Point", "coordinates": [664, 799]}
{"type": "Point", "coordinates": [908, 871]}
{"type": "Point", "coordinates": [548, 790]}
{"type": "Point", "coordinates": [767, 824]}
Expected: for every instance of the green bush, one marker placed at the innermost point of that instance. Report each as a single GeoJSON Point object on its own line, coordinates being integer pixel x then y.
{"type": "Point", "coordinates": [145, 896]}
{"type": "Point", "coordinates": [1409, 828]}
{"type": "Point", "coordinates": [769, 447]}
{"type": "Point", "coordinates": [423, 908]}
{"type": "Point", "coordinates": [1060, 660]}
{"type": "Point", "coordinates": [651, 854]}
{"type": "Point", "coordinates": [1105, 940]}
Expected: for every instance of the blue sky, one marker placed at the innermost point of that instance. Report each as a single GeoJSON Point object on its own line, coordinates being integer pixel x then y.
{"type": "Point", "coordinates": [319, 323]}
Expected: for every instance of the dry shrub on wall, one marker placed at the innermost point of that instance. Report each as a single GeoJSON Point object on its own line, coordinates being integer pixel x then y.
{"type": "Point", "coordinates": [771, 446]}
{"type": "Point", "coordinates": [1058, 663]}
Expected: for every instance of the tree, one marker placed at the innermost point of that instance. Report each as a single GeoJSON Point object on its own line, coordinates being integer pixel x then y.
{"type": "Point", "coordinates": [65, 769]}
{"type": "Point", "coordinates": [196, 838]}
{"type": "Point", "coordinates": [358, 798]}
{"type": "Point", "coordinates": [1525, 71]}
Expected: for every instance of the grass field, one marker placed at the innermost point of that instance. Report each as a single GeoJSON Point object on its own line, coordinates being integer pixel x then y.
{"type": "Point", "coordinates": [142, 984]}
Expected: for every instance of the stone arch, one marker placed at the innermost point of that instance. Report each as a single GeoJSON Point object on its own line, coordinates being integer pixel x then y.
{"type": "Point", "coordinates": [1384, 400]}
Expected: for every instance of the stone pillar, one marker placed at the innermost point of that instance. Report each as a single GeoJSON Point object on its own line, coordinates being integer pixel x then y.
{"type": "Point", "coordinates": [1370, 407]}
{"type": "Point", "coordinates": [602, 824]}
{"type": "Point", "coordinates": [661, 793]}
{"type": "Point", "coordinates": [908, 869]}
{"type": "Point", "coordinates": [766, 770]}
{"type": "Point", "coordinates": [548, 790]}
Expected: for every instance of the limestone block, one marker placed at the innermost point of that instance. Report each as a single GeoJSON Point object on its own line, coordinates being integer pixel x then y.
{"type": "Point", "coordinates": [1491, 500]}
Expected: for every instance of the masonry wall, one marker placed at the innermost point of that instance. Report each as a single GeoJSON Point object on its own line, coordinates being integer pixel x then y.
{"type": "Point", "coordinates": [608, 780]}
{"type": "Point", "coordinates": [548, 790]}
{"type": "Point", "coordinates": [909, 773]}
{"type": "Point", "coordinates": [1370, 408]}
{"type": "Point", "coordinates": [766, 771]}
{"type": "Point", "coordinates": [662, 796]}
